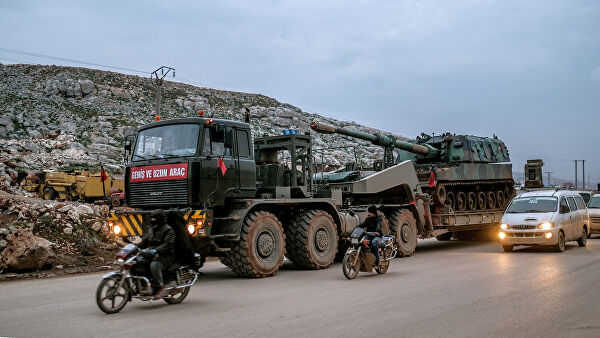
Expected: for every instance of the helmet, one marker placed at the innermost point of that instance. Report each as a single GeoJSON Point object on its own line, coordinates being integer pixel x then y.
{"type": "Point", "coordinates": [372, 209]}
{"type": "Point", "coordinates": [157, 219]}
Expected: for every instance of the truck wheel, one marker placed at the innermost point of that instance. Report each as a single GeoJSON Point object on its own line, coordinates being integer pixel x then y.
{"type": "Point", "coordinates": [444, 237]}
{"type": "Point", "coordinates": [404, 226]}
{"type": "Point", "coordinates": [260, 250]}
{"type": "Point", "coordinates": [312, 240]}
{"type": "Point", "coordinates": [49, 193]}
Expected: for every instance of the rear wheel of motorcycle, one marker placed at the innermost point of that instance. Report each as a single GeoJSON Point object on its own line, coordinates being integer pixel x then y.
{"type": "Point", "coordinates": [109, 297]}
{"type": "Point", "coordinates": [404, 227]}
{"type": "Point", "coordinates": [178, 297]}
{"type": "Point", "coordinates": [383, 267]}
{"type": "Point", "coordinates": [350, 265]}
{"type": "Point", "coordinates": [311, 240]}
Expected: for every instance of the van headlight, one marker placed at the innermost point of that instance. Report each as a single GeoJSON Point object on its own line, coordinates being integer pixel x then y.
{"type": "Point", "coordinates": [504, 226]}
{"type": "Point", "coordinates": [546, 226]}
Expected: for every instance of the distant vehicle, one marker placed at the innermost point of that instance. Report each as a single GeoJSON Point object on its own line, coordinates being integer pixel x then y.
{"type": "Point", "coordinates": [594, 212]}
{"type": "Point", "coordinates": [587, 195]}
{"type": "Point", "coordinates": [545, 217]}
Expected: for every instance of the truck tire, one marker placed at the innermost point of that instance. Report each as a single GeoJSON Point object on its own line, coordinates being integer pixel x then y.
{"type": "Point", "coordinates": [444, 237]}
{"type": "Point", "coordinates": [404, 227]}
{"type": "Point", "coordinates": [312, 240]}
{"type": "Point", "coordinates": [260, 250]}
{"type": "Point", "coordinates": [49, 194]}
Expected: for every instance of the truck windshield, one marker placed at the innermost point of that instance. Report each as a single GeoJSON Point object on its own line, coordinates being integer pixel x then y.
{"type": "Point", "coordinates": [533, 204]}
{"type": "Point", "coordinates": [167, 141]}
{"type": "Point", "coordinates": [595, 202]}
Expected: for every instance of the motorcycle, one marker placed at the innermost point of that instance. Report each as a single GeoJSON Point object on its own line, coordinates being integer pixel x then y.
{"type": "Point", "coordinates": [360, 258]}
{"type": "Point", "coordinates": [131, 281]}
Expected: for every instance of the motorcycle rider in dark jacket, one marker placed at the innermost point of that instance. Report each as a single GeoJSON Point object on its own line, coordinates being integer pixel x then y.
{"type": "Point", "coordinates": [373, 223]}
{"type": "Point", "coordinates": [159, 243]}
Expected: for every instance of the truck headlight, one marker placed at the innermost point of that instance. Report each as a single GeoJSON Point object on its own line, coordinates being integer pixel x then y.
{"type": "Point", "coordinates": [546, 225]}
{"type": "Point", "coordinates": [191, 229]}
{"type": "Point", "coordinates": [117, 229]}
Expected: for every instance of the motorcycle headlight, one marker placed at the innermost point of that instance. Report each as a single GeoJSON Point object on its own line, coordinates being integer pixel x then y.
{"type": "Point", "coordinates": [120, 261]}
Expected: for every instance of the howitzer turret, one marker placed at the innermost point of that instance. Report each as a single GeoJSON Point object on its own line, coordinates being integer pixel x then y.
{"type": "Point", "coordinates": [468, 173]}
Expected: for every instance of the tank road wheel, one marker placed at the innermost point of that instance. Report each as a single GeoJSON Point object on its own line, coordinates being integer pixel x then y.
{"type": "Point", "coordinates": [471, 201]}
{"type": "Point", "coordinates": [481, 201]}
{"type": "Point", "coordinates": [461, 201]}
{"type": "Point", "coordinates": [500, 199]}
{"type": "Point", "coordinates": [49, 194]}
{"type": "Point", "coordinates": [491, 199]}
{"type": "Point", "coordinates": [451, 200]}
{"type": "Point", "coordinates": [260, 250]}
{"type": "Point", "coordinates": [404, 226]}
{"type": "Point", "coordinates": [441, 194]}
{"type": "Point", "coordinates": [312, 240]}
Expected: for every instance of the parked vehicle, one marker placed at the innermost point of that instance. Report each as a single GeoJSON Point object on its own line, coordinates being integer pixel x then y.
{"type": "Point", "coordinates": [360, 258]}
{"type": "Point", "coordinates": [594, 212]}
{"type": "Point", "coordinates": [545, 217]}
{"type": "Point", "coordinates": [131, 281]}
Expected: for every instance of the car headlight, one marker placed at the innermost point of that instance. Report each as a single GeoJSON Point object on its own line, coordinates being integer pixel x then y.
{"type": "Point", "coordinates": [546, 225]}
{"type": "Point", "coordinates": [504, 226]}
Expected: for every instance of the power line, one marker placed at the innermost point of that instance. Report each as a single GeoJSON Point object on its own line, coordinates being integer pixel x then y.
{"type": "Point", "coordinates": [57, 58]}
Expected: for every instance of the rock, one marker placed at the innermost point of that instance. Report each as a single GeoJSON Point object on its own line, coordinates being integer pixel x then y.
{"type": "Point", "coordinates": [87, 246]}
{"type": "Point", "coordinates": [97, 226]}
{"type": "Point", "coordinates": [74, 215]}
{"type": "Point", "coordinates": [59, 267]}
{"type": "Point", "coordinates": [83, 209]}
{"type": "Point", "coordinates": [27, 252]}
{"type": "Point", "coordinates": [4, 232]}
{"type": "Point", "coordinates": [65, 209]}
{"type": "Point", "coordinates": [87, 86]}
{"type": "Point", "coordinates": [68, 230]}
{"type": "Point", "coordinates": [3, 244]}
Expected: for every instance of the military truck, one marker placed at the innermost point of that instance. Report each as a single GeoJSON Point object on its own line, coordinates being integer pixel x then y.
{"type": "Point", "coordinates": [533, 174]}
{"type": "Point", "coordinates": [76, 185]}
{"type": "Point", "coordinates": [253, 202]}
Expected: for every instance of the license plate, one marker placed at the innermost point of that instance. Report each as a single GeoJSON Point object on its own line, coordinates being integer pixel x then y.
{"type": "Point", "coordinates": [354, 241]}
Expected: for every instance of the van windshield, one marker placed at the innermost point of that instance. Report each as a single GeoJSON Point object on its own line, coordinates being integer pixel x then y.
{"type": "Point", "coordinates": [595, 202]}
{"type": "Point", "coordinates": [533, 204]}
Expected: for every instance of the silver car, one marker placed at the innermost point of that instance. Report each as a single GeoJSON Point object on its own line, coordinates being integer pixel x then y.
{"type": "Point", "coordinates": [545, 217]}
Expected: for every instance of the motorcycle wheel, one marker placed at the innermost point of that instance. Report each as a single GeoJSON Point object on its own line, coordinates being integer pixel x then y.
{"type": "Point", "coordinates": [178, 297]}
{"type": "Point", "coordinates": [350, 265]}
{"type": "Point", "coordinates": [107, 294]}
{"type": "Point", "coordinates": [383, 267]}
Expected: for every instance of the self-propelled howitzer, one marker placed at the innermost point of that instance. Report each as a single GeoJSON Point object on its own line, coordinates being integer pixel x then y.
{"type": "Point", "coordinates": [467, 173]}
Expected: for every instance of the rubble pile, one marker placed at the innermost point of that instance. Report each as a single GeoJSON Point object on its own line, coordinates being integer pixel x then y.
{"type": "Point", "coordinates": [37, 234]}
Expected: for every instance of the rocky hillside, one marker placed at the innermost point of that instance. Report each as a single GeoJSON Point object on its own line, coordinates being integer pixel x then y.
{"type": "Point", "coordinates": [56, 117]}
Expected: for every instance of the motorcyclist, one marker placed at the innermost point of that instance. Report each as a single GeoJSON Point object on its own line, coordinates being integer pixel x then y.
{"type": "Point", "coordinates": [372, 225]}
{"type": "Point", "coordinates": [159, 245]}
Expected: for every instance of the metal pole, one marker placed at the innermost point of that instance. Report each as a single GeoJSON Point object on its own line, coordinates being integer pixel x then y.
{"type": "Point", "coordinates": [575, 174]}
{"type": "Point", "coordinates": [583, 173]}
{"type": "Point", "coordinates": [548, 172]}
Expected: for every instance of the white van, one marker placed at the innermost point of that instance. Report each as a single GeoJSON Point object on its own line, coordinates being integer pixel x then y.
{"type": "Point", "coordinates": [545, 217]}
{"type": "Point", "coordinates": [594, 212]}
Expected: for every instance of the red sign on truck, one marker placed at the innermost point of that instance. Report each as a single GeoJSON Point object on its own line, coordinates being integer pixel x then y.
{"type": "Point", "coordinates": [159, 172]}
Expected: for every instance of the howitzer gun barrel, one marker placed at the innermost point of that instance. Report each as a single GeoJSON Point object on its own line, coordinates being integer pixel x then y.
{"type": "Point", "coordinates": [376, 139]}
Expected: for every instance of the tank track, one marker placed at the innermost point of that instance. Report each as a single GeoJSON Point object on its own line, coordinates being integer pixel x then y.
{"type": "Point", "coordinates": [454, 189]}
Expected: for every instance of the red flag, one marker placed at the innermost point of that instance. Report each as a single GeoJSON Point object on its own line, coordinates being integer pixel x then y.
{"type": "Point", "coordinates": [222, 166]}
{"type": "Point", "coordinates": [432, 180]}
{"type": "Point", "coordinates": [103, 176]}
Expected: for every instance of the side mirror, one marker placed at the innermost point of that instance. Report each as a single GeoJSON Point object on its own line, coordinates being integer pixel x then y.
{"type": "Point", "coordinates": [564, 209]}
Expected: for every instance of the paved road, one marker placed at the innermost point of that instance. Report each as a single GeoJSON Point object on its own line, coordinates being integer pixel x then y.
{"type": "Point", "coordinates": [451, 289]}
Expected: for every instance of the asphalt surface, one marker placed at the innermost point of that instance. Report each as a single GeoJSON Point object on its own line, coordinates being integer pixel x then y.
{"type": "Point", "coordinates": [450, 289]}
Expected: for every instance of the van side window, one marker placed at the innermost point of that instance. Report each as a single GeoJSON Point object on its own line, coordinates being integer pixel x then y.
{"type": "Point", "coordinates": [563, 203]}
{"type": "Point", "coordinates": [580, 203]}
{"type": "Point", "coordinates": [243, 143]}
{"type": "Point", "coordinates": [572, 203]}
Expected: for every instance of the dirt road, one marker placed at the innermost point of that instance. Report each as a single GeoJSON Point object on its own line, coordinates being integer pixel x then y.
{"type": "Point", "coordinates": [450, 289]}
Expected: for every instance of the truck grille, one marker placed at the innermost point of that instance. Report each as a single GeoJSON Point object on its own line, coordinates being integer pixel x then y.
{"type": "Point", "coordinates": [158, 193]}
{"type": "Point", "coordinates": [524, 226]}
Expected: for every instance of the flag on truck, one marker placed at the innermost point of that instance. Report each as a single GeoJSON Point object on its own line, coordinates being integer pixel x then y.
{"type": "Point", "coordinates": [432, 180]}
{"type": "Point", "coordinates": [222, 166]}
{"type": "Point", "coordinates": [103, 176]}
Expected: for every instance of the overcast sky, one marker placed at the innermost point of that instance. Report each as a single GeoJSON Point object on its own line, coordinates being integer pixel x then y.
{"type": "Point", "coordinates": [527, 71]}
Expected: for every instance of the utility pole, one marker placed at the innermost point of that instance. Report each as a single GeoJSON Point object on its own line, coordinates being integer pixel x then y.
{"type": "Point", "coordinates": [158, 76]}
{"type": "Point", "coordinates": [549, 173]}
{"type": "Point", "coordinates": [583, 173]}
{"type": "Point", "coordinates": [575, 173]}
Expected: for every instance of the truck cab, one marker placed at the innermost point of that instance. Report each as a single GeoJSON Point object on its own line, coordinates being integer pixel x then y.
{"type": "Point", "coordinates": [190, 162]}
